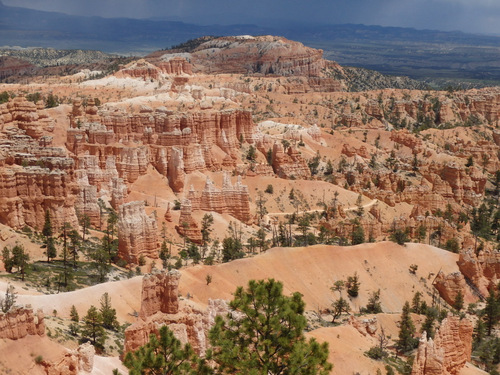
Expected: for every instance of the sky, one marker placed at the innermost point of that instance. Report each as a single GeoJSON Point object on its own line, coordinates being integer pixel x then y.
{"type": "Point", "coordinates": [476, 16]}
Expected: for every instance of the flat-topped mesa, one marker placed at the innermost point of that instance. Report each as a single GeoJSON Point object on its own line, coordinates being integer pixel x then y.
{"type": "Point", "coordinates": [160, 293]}
{"type": "Point", "coordinates": [187, 225]}
{"type": "Point", "coordinates": [20, 322]}
{"type": "Point", "coordinates": [257, 55]}
{"type": "Point", "coordinates": [448, 352]}
{"type": "Point", "coordinates": [290, 164]}
{"type": "Point", "coordinates": [137, 233]}
{"type": "Point", "coordinates": [231, 199]}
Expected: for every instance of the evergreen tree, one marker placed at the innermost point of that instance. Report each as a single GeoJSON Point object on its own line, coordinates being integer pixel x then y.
{"type": "Point", "coordinates": [358, 233]}
{"type": "Point", "coordinates": [48, 232]}
{"type": "Point", "coordinates": [267, 337]}
{"type": "Point", "coordinates": [108, 314]}
{"type": "Point", "coordinates": [165, 355]}
{"type": "Point", "coordinates": [491, 312]}
{"type": "Point", "coordinates": [206, 230]}
{"type": "Point", "coordinates": [340, 306]}
{"type": "Point", "coordinates": [405, 341]}
{"type": "Point", "coordinates": [373, 306]}
{"type": "Point", "coordinates": [93, 329]}
{"type": "Point", "coordinates": [231, 249]}
{"type": "Point", "coordinates": [428, 326]}
{"type": "Point", "coordinates": [458, 304]}
{"type": "Point", "coordinates": [74, 314]}
{"type": "Point", "coordinates": [20, 259]}
{"type": "Point", "coordinates": [352, 285]}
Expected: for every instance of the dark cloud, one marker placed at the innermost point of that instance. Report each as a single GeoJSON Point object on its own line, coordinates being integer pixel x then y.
{"type": "Point", "coordinates": [481, 16]}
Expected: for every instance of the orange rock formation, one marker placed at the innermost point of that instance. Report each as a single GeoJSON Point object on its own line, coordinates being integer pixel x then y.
{"type": "Point", "coordinates": [137, 233]}
{"type": "Point", "coordinates": [448, 352]}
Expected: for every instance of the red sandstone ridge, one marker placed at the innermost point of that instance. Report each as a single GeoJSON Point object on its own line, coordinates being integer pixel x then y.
{"type": "Point", "coordinates": [160, 306]}
{"type": "Point", "coordinates": [137, 233]}
{"type": "Point", "coordinates": [448, 352]}
{"type": "Point", "coordinates": [20, 322]}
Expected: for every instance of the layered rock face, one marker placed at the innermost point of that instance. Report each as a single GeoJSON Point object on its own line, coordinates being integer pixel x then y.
{"type": "Point", "coordinates": [187, 225]}
{"type": "Point", "coordinates": [174, 144]}
{"type": "Point", "coordinates": [290, 164]}
{"type": "Point", "coordinates": [483, 270]}
{"type": "Point", "coordinates": [231, 199]}
{"type": "Point", "coordinates": [449, 286]}
{"type": "Point", "coordinates": [448, 352]}
{"type": "Point", "coordinates": [160, 306]}
{"type": "Point", "coordinates": [137, 233]}
{"type": "Point", "coordinates": [160, 293]}
{"type": "Point", "coordinates": [34, 176]}
{"type": "Point", "coordinates": [20, 322]}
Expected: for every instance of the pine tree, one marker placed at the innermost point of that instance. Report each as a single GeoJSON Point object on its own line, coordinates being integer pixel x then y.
{"type": "Point", "coordinates": [164, 355]}
{"type": "Point", "coordinates": [267, 337]}
{"type": "Point", "coordinates": [405, 341]}
{"type": "Point", "coordinates": [428, 326]}
{"type": "Point", "coordinates": [74, 314]}
{"type": "Point", "coordinates": [491, 312]}
{"type": "Point", "coordinates": [93, 329]}
{"type": "Point", "coordinates": [458, 304]}
{"type": "Point", "coordinates": [373, 306]}
{"type": "Point", "coordinates": [48, 232]}
{"type": "Point", "coordinates": [20, 259]}
{"type": "Point", "coordinates": [340, 306]}
{"type": "Point", "coordinates": [352, 285]}
{"type": "Point", "coordinates": [108, 314]}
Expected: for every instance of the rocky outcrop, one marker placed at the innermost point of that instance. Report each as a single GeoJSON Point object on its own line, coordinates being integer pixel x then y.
{"type": "Point", "coordinates": [175, 170]}
{"type": "Point", "coordinates": [26, 193]}
{"type": "Point", "coordinates": [366, 326]}
{"type": "Point", "coordinates": [137, 233]}
{"type": "Point", "coordinates": [20, 322]}
{"type": "Point", "coordinates": [448, 352]}
{"type": "Point", "coordinates": [231, 199]}
{"type": "Point", "coordinates": [404, 137]}
{"type": "Point", "coordinates": [161, 306]}
{"type": "Point", "coordinates": [187, 225]}
{"type": "Point", "coordinates": [483, 269]}
{"type": "Point", "coordinates": [449, 286]}
{"type": "Point", "coordinates": [74, 362]}
{"type": "Point", "coordinates": [160, 293]}
{"type": "Point", "coordinates": [139, 69]}
{"type": "Point", "coordinates": [290, 164]}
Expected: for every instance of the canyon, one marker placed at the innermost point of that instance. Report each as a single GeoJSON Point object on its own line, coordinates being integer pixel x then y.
{"type": "Point", "coordinates": [254, 148]}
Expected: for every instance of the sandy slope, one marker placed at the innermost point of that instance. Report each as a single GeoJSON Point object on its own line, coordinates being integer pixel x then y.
{"type": "Point", "coordinates": [313, 270]}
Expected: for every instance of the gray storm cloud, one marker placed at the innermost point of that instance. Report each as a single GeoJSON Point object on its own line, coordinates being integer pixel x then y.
{"type": "Point", "coordinates": [482, 16]}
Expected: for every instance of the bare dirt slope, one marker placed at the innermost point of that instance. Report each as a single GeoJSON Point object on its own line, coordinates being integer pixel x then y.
{"type": "Point", "coordinates": [313, 270]}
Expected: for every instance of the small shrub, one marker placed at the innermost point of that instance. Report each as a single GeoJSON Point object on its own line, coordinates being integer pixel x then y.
{"type": "Point", "coordinates": [38, 359]}
{"type": "Point", "coordinates": [269, 189]}
{"type": "Point", "coordinates": [375, 352]}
